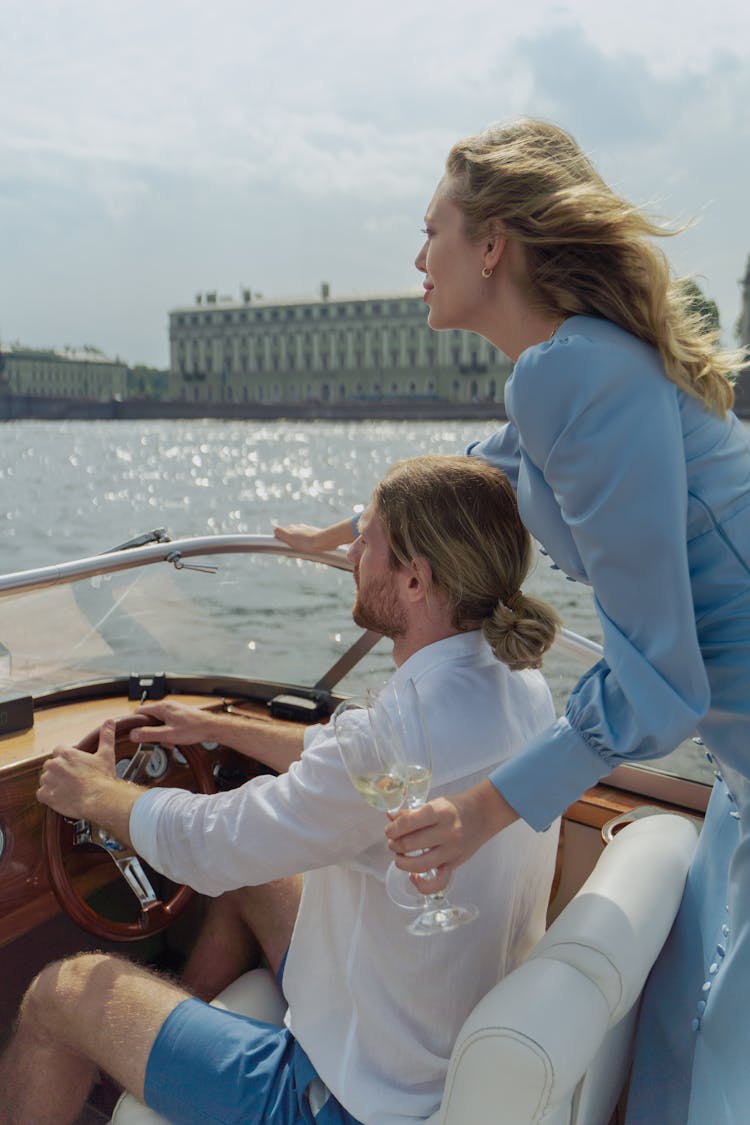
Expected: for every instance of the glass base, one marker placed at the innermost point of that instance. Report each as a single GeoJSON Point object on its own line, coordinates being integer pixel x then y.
{"type": "Point", "coordinates": [441, 919]}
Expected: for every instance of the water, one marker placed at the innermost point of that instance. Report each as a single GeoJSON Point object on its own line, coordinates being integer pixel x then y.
{"type": "Point", "coordinates": [73, 489]}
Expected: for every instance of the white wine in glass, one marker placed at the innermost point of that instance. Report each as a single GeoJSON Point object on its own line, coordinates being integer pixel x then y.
{"type": "Point", "coordinates": [381, 782]}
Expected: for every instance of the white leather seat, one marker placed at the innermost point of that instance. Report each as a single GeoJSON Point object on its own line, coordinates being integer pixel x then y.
{"type": "Point", "coordinates": [550, 1043]}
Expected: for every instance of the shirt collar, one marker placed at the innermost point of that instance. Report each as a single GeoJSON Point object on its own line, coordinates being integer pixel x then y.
{"type": "Point", "coordinates": [460, 645]}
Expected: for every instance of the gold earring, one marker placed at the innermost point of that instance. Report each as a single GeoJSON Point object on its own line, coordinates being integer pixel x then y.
{"type": "Point", "coordinates": [486, 272]}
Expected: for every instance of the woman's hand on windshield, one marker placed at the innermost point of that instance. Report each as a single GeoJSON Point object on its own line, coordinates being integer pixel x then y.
{"type": "Point", "coordinates": [305, 537]}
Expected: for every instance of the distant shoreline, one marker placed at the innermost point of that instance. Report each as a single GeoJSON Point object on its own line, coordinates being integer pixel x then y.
{"type": "Point", "coordinates": [27, 408]}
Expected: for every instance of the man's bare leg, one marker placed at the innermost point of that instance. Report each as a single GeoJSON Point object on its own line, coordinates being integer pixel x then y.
{"type": "Point", "coordinates": [93, 1011]}
{"type": "Point", "coordinates": [238, 927]}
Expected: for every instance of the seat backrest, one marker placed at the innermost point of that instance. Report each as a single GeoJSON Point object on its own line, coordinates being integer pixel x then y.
{"type": "Point", "coordinates": [550, 1043]}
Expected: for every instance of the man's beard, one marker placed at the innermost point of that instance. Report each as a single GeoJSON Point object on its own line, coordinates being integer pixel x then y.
{"type": "Point", "coordinates": [377, 608]}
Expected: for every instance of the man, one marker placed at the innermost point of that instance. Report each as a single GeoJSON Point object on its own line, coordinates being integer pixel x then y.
{"type": "Point", "coordinates": [373, 1011]}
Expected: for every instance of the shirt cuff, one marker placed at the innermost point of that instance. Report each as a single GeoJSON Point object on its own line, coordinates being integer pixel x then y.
{"type": "Point", "coordinates": [549, 775]}
{"type": "Point", "coordinates": [144, 817]}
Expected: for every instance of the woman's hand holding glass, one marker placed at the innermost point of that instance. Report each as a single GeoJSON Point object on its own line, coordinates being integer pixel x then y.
{"type": "Point", "coordinates": [386, 749]}
{"type": "Point", "coordinates": [451, 828]}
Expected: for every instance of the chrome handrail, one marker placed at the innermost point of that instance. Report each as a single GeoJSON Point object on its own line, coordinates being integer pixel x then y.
{"type": "Point", "coordinates": [61, 573]}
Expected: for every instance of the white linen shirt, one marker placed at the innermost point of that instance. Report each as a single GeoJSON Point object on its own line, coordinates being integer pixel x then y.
{"type": "Point", "coordinates": [376, 1009]}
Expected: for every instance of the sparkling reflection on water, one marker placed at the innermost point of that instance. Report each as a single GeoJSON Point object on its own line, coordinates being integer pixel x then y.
{"type": "Point", "coordinates": [73, 489]}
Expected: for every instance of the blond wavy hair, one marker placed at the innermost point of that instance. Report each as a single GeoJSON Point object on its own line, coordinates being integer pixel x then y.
{"type": "Point", "coordinates": [587, 250]}
{"type": "Point", "coordinates": [460, 513]}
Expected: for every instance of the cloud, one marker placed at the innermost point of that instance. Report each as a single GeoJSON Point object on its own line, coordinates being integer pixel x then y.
{"type": "Point", "coordinates": [154, 150]}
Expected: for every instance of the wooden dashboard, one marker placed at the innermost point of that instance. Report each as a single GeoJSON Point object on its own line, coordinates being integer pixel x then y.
{"type": "Point", "coordinates": [26, 897]}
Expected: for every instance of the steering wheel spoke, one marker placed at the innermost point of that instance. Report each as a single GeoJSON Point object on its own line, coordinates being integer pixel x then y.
{"type": "Point", "coordinates": [132, 872]}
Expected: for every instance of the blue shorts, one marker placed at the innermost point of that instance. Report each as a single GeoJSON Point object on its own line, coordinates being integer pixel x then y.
{"type": "Point", "coordinates": [209, 1065]}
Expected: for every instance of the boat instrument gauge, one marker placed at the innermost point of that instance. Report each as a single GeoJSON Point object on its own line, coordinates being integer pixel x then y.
{"type": "Point", "coordinates": [158, 762]}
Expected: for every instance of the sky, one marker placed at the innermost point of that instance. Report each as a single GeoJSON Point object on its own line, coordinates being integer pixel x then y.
{"type": "Point", "coordinates": [156, 149]}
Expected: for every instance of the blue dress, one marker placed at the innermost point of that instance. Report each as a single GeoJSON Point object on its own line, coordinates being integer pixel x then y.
{"type": "Point", "coordinates": [633, 487]}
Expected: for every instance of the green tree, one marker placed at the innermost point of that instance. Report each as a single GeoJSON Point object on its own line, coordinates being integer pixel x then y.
{"type": "Point", "coordinates": [698, 302]}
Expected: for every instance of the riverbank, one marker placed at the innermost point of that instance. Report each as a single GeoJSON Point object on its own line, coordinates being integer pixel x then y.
{"type": "Point", "coordinates": [352, 410]}
{"type": "Point", "coordinates": [417, 410]}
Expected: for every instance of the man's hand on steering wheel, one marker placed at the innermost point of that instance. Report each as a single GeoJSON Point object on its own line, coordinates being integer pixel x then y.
{"type": "Point", "coordinates": [84, 786]}
{"type": "Point", "coordinates": [173, 724]}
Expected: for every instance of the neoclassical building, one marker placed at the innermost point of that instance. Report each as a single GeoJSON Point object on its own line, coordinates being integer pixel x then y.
{"type": "Point", "coordinates": [84, 374]}
{"type": "Point", "coordinates": [321, 350]}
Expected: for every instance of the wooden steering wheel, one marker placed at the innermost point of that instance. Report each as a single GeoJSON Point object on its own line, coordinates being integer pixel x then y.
{"type": "Point", "coordinates": [61, 835]}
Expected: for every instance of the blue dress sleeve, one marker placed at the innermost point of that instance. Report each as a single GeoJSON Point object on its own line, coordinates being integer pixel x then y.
{"type": "Point", "coordinates": [600, 429]}
{"type": "Point", "coordinates": [501, 449]}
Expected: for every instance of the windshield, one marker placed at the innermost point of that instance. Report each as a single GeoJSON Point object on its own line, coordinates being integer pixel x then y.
{"type": "Point", "coordinates": [264, 615]}
{"type": "Point", "coordinates": [259, 617]}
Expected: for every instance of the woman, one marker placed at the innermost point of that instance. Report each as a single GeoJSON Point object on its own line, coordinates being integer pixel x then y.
{"type": "Point", "coordinates": [635, 477]}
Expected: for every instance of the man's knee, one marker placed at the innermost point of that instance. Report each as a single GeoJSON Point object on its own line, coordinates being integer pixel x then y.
{"type": "Point", "coordinates": [63, 987]}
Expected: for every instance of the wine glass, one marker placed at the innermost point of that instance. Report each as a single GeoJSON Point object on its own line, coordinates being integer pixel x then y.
{"type": "Point", "coordinates": [438, 914]}
{"type": "Point", "coordinates": [386, 751]}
